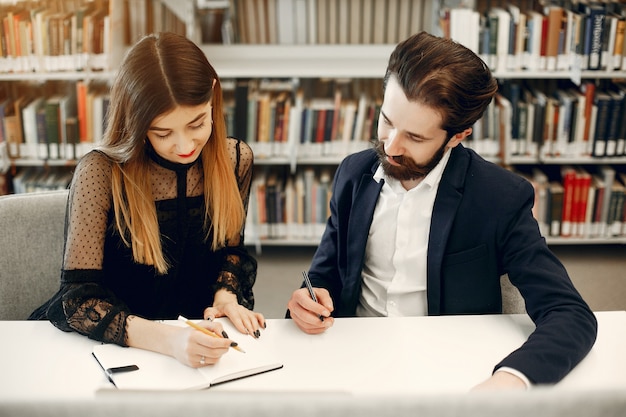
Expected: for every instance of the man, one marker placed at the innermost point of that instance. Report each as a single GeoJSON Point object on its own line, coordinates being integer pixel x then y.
{"type": "Point", "coordinates": [421, 225]}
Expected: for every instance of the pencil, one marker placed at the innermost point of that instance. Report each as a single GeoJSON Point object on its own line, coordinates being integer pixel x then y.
{"type": "Point", "coordinates": [307, 281]}
{"type": "Point", "coordinates": [207, 331]}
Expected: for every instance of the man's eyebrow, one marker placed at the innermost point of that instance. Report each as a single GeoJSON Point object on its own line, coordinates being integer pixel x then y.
{"type": "Point", "coordinates": [198, 117]}
{"type": "Point", "coordinates": [412, 134]}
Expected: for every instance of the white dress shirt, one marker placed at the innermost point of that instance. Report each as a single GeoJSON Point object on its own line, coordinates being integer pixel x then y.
{"type": "Point", "coordinates": [394, 273]}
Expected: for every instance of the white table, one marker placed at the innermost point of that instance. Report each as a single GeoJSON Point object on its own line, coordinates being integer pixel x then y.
{"type": "Point", "coordinates": [364, 358]}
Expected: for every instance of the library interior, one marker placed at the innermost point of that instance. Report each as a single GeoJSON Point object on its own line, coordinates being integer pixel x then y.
{"type": "Point", "coordinates": [302, 84]}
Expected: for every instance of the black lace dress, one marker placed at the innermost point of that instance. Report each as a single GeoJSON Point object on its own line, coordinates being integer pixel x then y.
{"type": "Point", "coordinates": [101, 284]}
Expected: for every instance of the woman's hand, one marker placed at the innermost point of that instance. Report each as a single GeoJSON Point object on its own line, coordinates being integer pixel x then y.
{"type": "Point", "coordinates": [244, 320]}
{"type": "Point", "coordinates": [188, 345]}
{"type": "Point", "coordinates": [196, 349]}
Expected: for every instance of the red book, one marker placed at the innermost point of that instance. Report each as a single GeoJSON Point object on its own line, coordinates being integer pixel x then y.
{"type": "Point", "coordinates": [581, 193]}
{"type": "Point", "coordinates": [589, 89]}
{"type": "Point", "coordinates": [321, 125]}
{"type": "Point", "coordinates": [568, 176]}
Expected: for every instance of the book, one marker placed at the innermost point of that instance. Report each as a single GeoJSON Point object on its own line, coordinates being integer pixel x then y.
{"type": "Point", "coordinates": [272, 22]}
{"type": "Point", "coordinates": [608, 41]}
{"type": "Point", "coordinates": [603, 101]}
{"type": "Point", "coordinates": [580, 200]}
{"type": "Point", "coordinates": [342, 11]}
{"type": "Point", "coordinates": [555, 18]}
{"type": "Point", "coordinates": [29, 128]}
{"type": "Point", "coordinates": [52, 126]}
{"type": "Point", "coordinates": [532, 59]}
{"type": "Point", "coordinates": [404, 16]}
{"type": "Point", "coordinates": [301, 32]}
{"type": "Point", "coordinates": [614, 122]}
{"type": "Point", "coordinates": [615, 214]}
{"type": "Point", "coordinates": [597, 183]}
{"type": "Point", "coordinates": [286, 22]}
{"type": "Point", "coordinates": [158, 372]}
{"type": "Point", "coordinates": [568, 177]}
{"type": "Point", "coordinates": [597, 16]}
{"type": "Point", "coordinates": [416, 19]}
{"type": "Point", "coordinates": [556, 192]}
{"type": "Point", "coordinates": [379, 21]}
{"type": "Point", "coordinates": [311, 12]}
{"type": "Point", "coordinates": [608, 175]}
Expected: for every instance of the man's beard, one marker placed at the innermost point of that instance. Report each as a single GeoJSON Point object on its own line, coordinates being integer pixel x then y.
{"type": "Point", "coordinates": [408, 169]}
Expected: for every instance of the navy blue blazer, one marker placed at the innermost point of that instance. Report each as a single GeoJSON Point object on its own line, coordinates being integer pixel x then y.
{"type": "Point", "coordinates": [482, 228]}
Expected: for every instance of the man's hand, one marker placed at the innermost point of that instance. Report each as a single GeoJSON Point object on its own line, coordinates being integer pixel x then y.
{"type": "Point", "coordinates": [501, 380]}
{"type": "Point", "coordinates": [310, 316]}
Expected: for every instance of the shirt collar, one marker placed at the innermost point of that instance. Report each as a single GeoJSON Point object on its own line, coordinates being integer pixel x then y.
{"type": "Point", "coordinates": [431, 180]}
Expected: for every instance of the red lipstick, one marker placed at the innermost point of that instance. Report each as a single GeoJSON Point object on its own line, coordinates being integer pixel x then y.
{"type": "Point", "coordinates": [187, 155]}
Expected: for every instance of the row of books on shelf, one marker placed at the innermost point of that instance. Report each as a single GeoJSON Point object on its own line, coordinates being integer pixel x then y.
{"type": "Point", "coordinates": [578, 35]}
{"type": "Point", "coordinates": [289, 206]}
{"type": "Point", "coordinates": [61, 125]}
{"type": "Point", "coordinates": [532, 119]}
{"type": "Point", "coordinates": [54, 36]}
{"type": "Point", "coordinates": [579, 202]}
{"type": "Point", "coordinates": [321, 118]}
{"type": "Point", "coordinates": [37, 179]}
{"type": "Point", "coordinates": [327, 21]}
{"type": "Point", "coordinates": [570, 202]}
{"type": "Point", "coordinates": [558, 121]}
{"type": "Point", "coordinates": [148, 16]}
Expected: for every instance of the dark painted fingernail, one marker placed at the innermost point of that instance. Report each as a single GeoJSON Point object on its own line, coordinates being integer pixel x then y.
{"type": "Point", "coordinates": [233, 344]}
{"type": "Point", "coordinates": [224, 334]}
{"type": "Point", "coordinates": [265, 325]}
{"type": "Point", "coordinates": [257, 333]}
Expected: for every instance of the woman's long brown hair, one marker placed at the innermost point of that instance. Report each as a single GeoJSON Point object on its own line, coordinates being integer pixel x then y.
{"type": "Point", "coordinates": [159, 73]}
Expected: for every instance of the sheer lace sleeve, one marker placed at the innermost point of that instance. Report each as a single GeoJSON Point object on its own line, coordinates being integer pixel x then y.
{"type": "Point", "coordinates": [239, 269]}
{"type": "Point", "coordinates": [243, 157]}
{"type": "Point", "coordinates": [83, 304]}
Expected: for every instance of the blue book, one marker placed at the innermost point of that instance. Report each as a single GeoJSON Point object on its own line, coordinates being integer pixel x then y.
{"type": "Point", "coordinates": [597, 17]}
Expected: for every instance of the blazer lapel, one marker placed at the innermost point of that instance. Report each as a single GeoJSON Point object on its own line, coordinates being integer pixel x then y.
{"type": "Point", "coordinates": [358, 228]}
{"type": "Point", "coordinates": [446, 204]}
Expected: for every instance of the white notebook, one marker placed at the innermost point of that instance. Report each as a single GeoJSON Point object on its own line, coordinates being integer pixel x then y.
{"type": "Point", "coordinates": [155, 371]}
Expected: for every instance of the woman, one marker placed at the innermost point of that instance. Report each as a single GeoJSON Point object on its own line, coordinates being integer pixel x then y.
{"type": "Point", "coordinates": [156, 213]}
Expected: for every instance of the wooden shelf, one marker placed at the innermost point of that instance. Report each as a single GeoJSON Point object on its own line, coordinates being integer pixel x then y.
{"type": "Point", "coordinates": [304, 61]}
{"type": "Point", "coordinates": [60, 75]}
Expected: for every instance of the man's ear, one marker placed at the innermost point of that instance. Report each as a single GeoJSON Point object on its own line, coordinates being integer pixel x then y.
{"type": "Point", "coordinates": [456, 139]}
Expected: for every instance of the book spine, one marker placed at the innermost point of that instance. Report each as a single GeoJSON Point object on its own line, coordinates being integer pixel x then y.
{"type": "Point", "coordinates": [603, 103]}
{"type": "Point", "coordinates": [569, 183]}
{"type": "Point", "coordinates": [597, 17]}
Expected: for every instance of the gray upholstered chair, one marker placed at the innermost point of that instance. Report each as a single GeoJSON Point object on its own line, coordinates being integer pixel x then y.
{"type": "Point", "coordinates": [31, 246]}
{"type": "Point", "coordinates": [512, 300]}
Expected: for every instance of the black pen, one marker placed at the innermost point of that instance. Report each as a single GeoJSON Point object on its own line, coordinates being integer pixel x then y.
{"type": "Point", "coordinates": [307, 281]}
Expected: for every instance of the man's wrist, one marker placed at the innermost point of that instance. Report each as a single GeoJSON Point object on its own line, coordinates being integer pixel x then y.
{"type": "Point", "coordinates": [516, 373]}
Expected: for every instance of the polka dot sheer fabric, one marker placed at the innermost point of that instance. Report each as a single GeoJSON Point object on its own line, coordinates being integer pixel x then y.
{"type": "Point", "coordinates": [101, 285]}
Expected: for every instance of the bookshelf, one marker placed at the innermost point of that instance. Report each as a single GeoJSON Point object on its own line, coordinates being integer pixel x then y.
{"type": "Point", "coordinates": [296, 59]}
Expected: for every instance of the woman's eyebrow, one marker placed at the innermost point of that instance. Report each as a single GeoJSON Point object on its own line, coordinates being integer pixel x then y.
{"type": "Point", "coordinates": [198, 117]}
